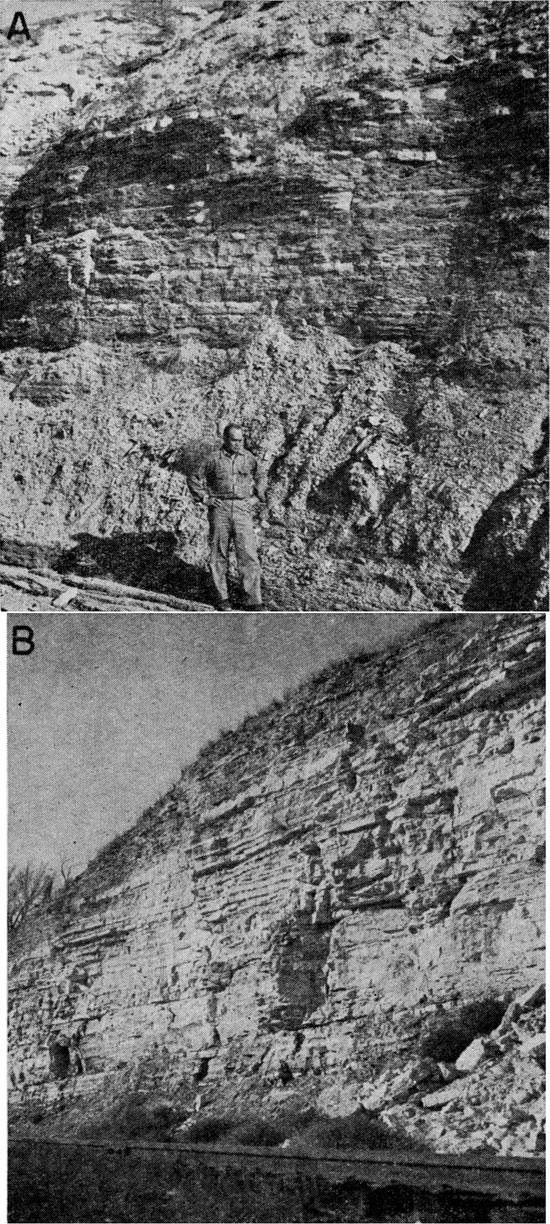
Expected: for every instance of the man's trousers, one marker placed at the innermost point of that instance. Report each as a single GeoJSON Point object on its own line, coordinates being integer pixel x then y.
{"type": "Point", "coordinates": [232, 520]}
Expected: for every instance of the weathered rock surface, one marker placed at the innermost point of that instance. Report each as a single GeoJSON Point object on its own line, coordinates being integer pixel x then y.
{"type": "Point", "coordinates": [318, 886]}
{"type": "Point", "coordinates": [309, 217]}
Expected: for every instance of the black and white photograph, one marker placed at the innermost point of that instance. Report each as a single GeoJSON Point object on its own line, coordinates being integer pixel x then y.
{"type": "Point", "coordinates": [276, 917]}
{"type": "Point", "coordinates": [273, 305]}
{"type": "Point", "coordinates": [274, 347]}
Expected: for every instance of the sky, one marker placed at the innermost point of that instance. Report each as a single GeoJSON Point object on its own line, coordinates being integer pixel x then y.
{"type": "Point", "coordinates": [106, 711]}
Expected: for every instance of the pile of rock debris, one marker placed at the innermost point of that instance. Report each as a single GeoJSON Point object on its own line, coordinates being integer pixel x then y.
{"type": "Point", "coordinates": [492, 1097]}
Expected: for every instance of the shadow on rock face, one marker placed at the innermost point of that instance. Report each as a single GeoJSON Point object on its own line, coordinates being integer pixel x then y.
{"type": "Point", "coordinates": [148, 561]}
{"type": "Point", "coordinates": [512, 581]}
{"type": "Point", "coordinates": [509, 549]}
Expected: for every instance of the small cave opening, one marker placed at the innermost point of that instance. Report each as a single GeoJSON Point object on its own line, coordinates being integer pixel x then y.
{"type": "Point", "coordinates": [201, 1070]}
{"type": "Point", "coordinates": [60, 1057]}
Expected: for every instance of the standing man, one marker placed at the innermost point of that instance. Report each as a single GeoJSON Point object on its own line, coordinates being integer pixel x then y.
{"type": "Point", "coordinates": [226, 482]}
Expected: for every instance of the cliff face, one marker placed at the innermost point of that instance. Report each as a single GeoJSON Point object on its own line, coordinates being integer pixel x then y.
{"type": "Point", "coordinates": [346, 864]}
{"type": "Point", "coordinates": [324, 221]}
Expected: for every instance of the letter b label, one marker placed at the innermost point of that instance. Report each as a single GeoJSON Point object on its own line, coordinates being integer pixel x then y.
{"type": "Point", "coordinates": [22, 640]}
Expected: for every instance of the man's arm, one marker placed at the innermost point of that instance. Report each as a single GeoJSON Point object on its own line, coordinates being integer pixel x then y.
{"type": "Point", "coordinates": [198, 487]}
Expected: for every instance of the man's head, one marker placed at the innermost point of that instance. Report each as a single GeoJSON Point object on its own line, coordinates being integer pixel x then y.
{"type": "Point", "coordinates": [233, 439]}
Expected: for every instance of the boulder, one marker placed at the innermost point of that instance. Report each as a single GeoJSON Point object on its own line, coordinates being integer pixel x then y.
{"type": "Point", "coordinates": [277, 1095]}
{"type": "Point", "coordinates": [372, 1098]}
{"type": "Point", "coordinates": [395, 1091]}
{"type": "Point", "coordinates": [471, 1056]}
{"type": "Point", "coordinates": [434, 1100]}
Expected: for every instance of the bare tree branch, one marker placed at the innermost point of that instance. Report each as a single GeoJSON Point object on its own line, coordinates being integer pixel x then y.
{"type": "Point", "coordinates": [65, 874]}
{"type": "Point", "coordinates": [27, 886]}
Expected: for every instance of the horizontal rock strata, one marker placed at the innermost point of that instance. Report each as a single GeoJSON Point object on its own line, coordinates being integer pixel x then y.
{"type": "Point", "coordinates": [326, 222]}
{"type": "Point", "coordinates": [355, 859]}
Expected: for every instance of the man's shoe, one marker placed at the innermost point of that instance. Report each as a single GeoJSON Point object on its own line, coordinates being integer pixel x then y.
{"type": "Point", "coordinates": [250, 607]}
{"type": "Point", "coordinates": [224, 606]}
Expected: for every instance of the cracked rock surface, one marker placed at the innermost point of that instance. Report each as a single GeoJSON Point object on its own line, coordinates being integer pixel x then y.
{"type": "Point", "coordinates": [326, 222]}
{"type": "Point", "coordinates": [352, 865]}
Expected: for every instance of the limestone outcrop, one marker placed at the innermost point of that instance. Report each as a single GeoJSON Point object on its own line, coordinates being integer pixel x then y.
{"type": "Point", "coordinates": [328, 221]}
{"type": "Point", "coordinates": [351, 866]}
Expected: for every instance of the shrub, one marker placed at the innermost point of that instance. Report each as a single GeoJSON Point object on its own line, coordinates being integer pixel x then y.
{"type": "Point", "coordinates": [207, 1130]}
{"type": "Point", "coordinates": [130, 1116]}
{"type": "Point", "coordinates": [165, 1117]}
{"type": "Point", "coordinates": [294, 1118]}
{"type": "Point", "coordinates": [256, 1132]}
{"type": "Point", "coordinates": [450, 1034]}
{"type": "Point", "coordinates": [137, 1117]}
{"type": "Point", "coordinates": [359, 1130]}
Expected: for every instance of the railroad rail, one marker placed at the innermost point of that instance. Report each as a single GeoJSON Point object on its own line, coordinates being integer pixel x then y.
{"type": "Point", "coordinates": [518, 1180]}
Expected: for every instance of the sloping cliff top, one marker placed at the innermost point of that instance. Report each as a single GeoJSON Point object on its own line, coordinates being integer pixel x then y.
{"type": "Point", "coordinates": [392, 698]}
{"type": "Point", "coordinates": [326, 909]}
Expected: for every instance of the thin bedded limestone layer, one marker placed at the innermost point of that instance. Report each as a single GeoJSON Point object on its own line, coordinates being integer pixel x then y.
{"type": "Point", "coordinates": [346, 865]}
{"type": "Point", "coordinates": [324, 220]}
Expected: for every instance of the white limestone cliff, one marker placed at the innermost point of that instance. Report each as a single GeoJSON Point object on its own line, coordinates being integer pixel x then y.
{"type": "Point", "coordinates": [317, 887]}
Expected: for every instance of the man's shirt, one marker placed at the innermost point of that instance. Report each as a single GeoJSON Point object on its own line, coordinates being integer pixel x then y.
{"type": "Point", "coordinates": [228, 477]}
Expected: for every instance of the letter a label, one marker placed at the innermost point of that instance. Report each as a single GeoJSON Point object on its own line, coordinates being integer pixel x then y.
{"type": "Point", "coordinates": [15, 29]}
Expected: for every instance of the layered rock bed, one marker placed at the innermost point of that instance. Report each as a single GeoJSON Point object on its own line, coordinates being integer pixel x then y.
{"type": "Point", "coordinates": [339, 906]}
{"type": "Point", "coordinates": [326, 222]}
